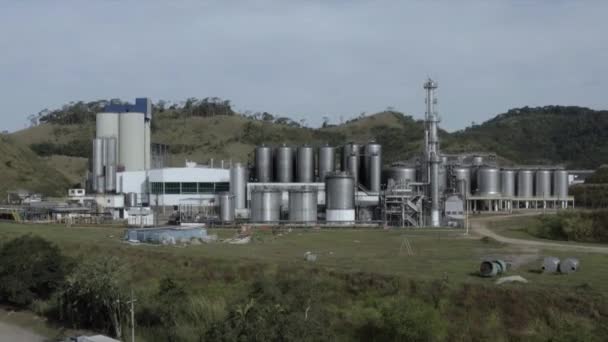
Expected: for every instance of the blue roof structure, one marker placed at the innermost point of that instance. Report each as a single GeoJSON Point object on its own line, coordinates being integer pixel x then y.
{"type": "Point", "coordinates": [142, 105]}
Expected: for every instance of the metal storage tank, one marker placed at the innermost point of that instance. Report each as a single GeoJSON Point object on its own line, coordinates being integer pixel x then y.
{"type": "Point", "coordinates": [543, 183]}
{"type": "Point", "coordinates": [525, 183]}
{"type": "Point", "coordinates": [488, 181]}
{"type": "Point", "coordinates": [101, 184]}
{"type": "Point", "coordinates": [110, 178]}
{"type": "Point", "coordinates": [226, 206]}
{"type": "Point", "coordinates": [569, 265]}
{"type": "Point", "coordinates": [399, 173]}
{"type": "Point", "coordinates": [97, 163]}
{"type": "Point", "coordinates": [507, 182]}
{"type": "Point", "coordinates": [463, 175]}
{"type": "Point", "coordinates": [352, 167]}
{"type": "Point", "coordinates": [371, 149]}
{"type": "Point", "coordinates": [348, 150]}
{"type": "Point", "coordinates": [374, 173]}
{"type": "Point", "coordinates": [477, 161]}
{"type": "Point", "coordinates": [148, 145]}
{"type": "Point", "coordinates": [327, 161]}
{"type": "Point", "coordinates": [303, 205]}
{"type": "Point", "coordinates": [131, 199]}
{"type": "Point", "coordinates": [238, 185]}
{"type": "Point", "coordinates": [284, 164]}
{"type": "Point", "coordinates": [339, 191]}
{"type": "Point", "coordinates": [110, 151]}
{"type": "Point", "coordinates": [107, 125]}
{"type": "Point", "coordinates": [560, 183]}
{"type": "Point", "coordinates": [265, 205]}
{"type": "Point", "coordinates": [263, 164]}
{"type": "Point", "coordinates": [132, 141]}
{"type": "Point", "coordinates": [305, 164]}
{"type": "Point", "coordinates": [550, 265]}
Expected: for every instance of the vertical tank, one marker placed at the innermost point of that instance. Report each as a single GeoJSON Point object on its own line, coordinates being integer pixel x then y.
{"type": "Point", "coordinates": [560, 184]}
{"type": "Point", "coordinates": [399, 174]}
{"type": "Point", "coordinates": [238, 185]}
{"type": "Point", "coordinates": [374, 173]}
{"type": "Point", "coordinates": [303, 205]}
{"type": "Point", "coordinates": [263, 164]}
{"type": "Point", "coordinates": [543, 183]}
{"type": "Point", "coordinates": [488, 181]}
{"type": "Point", "coordinates": [147, 144]}
{"type": "Point", "coordinates": [348, 150]}
{"type": "Point", "coordinates": [462, 175]}
{"type": "Point", "coordinates": [305, 164]}
{"type": "Point", "coordinates": [97, 163]}
{"type": "Point", "coordinates": [371, 149]}
{"type": "Point", "coordinates": [101, 184]}
{"type": "Point", "coordinates": [226, 207]}
{"type": "Point", "coordinates": [525, 183]}
{"type": "Point", "coordinates": [131, 199]}
{"type": "Point", "coordinates": [110, 178]}
{"type": "Point", "coordinates": [265, 205]}
{"type": "Point", "coordinates": [352, 167]}
{"type": "Point", "coordinates": [107, 125]}
{"type": "Point", "coordinates": [339, 191]}
{"type": "Point", "coordinates": [132, 141]}
{"type": "Point", "coordinates": [477, 161]}
{"type": "Point", "coordinates": [507, 181]}
{"type": "Point", "coordinates": [327, 161]}
{"type": "Point", "coordinates": [284, 164]}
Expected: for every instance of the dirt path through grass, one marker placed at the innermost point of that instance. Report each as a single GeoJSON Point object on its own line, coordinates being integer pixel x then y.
{"type": "Point", "coordinates": [13, 333]}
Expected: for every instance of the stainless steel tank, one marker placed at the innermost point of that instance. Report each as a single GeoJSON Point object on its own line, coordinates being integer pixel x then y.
{"type": "Point", "coordinates": [525, 183]}
{"type": "Point", "coordinates": [110, 178]}
{"type": "Point", "coordinates": [265, 205]}
{"type": "Point", "coordinates": [369, 150]}
{"type": "Point", "coordinates": [488, 181]}
{"type": "Point", "coordinates": [462, 176]}
{"type": "Point", "coordinates": [111, 151]}
{"type": "Point", "coordinates": [284, 164]}
{"type": "Point", "coordinates": [238, 185]}
{"type": "Point", "coordinates": [543, 183]}
{"type": "Point", "coordinates": [352, 167]}
{"type": "Point", "coordinates": [263, 164]}
{"type": "Point", "coordinates": [131, 200]}
{"type": "Point", "coordinates": [303, 205]}
{"type": "Point", "coordinates": [226, 206]}
{"type": "Point", "coordinates": [98, 157]}
{"type": "Point", "coordinates": [399, 174]}
{"type": "Point", "coordinates": [507, 182]}
{"type": "Point", "coordinates": [560, 184]}
{"type": "Point", "coordinates": [305, 164]}
{"type": "Point", "coordinates": [101, 184]}
{"type": "Point", "coordinates": [374, 175]}
{"type": "Point", "coordinates": [339, 191]}
{"type": "Point", "coordinates": [327, 161]}
{"type": "Point", "coordinates": [348, 150]}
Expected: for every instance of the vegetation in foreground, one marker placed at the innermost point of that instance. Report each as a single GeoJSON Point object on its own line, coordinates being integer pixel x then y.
{"type": "Point", "coordinates": [288, 302]}
{"type": "Point", "coordinates": [581, 226]}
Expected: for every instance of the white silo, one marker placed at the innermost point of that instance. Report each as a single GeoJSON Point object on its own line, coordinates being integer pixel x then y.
{"type": "Point", "coordinates": [132, 141]}
{"type": "Point", "coordinates": [106, 125]}
{"type": "Point", "coordinates": [147, 142]}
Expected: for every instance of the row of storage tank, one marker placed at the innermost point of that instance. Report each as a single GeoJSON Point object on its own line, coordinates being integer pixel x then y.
{"type": "Point", "coordinates": [286, 164]}
{"type": "Point", "coordinates": [303, 202]}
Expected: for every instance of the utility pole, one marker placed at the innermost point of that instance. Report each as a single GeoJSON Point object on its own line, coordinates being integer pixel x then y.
{"type": "Point", "coordinates": [132, 302]}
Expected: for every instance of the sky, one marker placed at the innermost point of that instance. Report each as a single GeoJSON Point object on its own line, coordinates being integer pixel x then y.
{"type": "Point", "coordinates": [305, 59]}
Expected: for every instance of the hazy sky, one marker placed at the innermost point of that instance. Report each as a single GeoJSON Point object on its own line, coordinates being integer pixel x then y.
{"type": "Point", "coordinates": [305, 59]}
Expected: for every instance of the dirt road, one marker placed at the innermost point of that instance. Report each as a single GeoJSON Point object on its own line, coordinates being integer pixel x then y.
{"type": "Point", "coordinates": [480, 226]}
{"type": "Point", "coordinates": [9, 332]}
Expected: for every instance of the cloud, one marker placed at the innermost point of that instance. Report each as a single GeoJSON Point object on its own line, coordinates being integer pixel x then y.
{"type": "Point", "coordinates": [306, 59]}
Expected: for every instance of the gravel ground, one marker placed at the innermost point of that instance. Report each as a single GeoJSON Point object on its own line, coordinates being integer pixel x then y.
{"type": "Point", "coordinates": [14, 333]}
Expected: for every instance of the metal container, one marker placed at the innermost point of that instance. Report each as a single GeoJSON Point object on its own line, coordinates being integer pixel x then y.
{"type": "Point", "coordinates": [348, 150]}
{"type": "Point", "coordinates": [303, 205]}
{"type": "Point", "coordinates": [263, 164]}
{"type": "Point", "coordinates": [352, 167]}
{"type": "Point", "coordinates": [369, 151]}
{"type": "Point", "coordinates": [507, 182]}
{"type": "Point", "coordinates": [101, 184]}
{"type": "Point", "coordinates": [132, 141]}
{"type": "Point", "coordinates": [525, 183]}
{"type": "Point", "coordinates": [543, 183]}
{"type": "Point", "coordinates": [305, 164]}
{"type": "Point", "coordinates": [488, 181]}
{"type": "Point", "coordinates": [97, 163]}
{"type": "Point", "coordinates": [550, 265]}
{"type": "Point", "coordinates": [238, 185]}
{"type": "Point", "coordinates": [284, 164]}
{"type": "Point", "coordinates": [443, 178]}
{"type": "Point", "coordinates": [477, 161]}
{"type": "Point", "coordinates": [560, 184]}
{"type": "Point", "coordinates": [374, 173]}
{"type": "Point", "coordinates": [569, 265]}
{"type": "Point", "coordinates": [462, 176]}
{"type": "Point", "coordinates": [492, 268]}
{"type": "Point", "coordinates": [327, 161]}
{"type": "Point", "coordinates": [399, 174]}
{"type": "Point", "coordinates": [110, 151]}
{"type": "Point", "coordinates": [110, 178]}
{"type": "Point", "coordinates": [131, 200]}
{"type": "Point", "coordinates": [339, 191]}
{"type": "Point", "coordinates": [265, 205]}
{"type": "Point", "coordinates": [226, 206]}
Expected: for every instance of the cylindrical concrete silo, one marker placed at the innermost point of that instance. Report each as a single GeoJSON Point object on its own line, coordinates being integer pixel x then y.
{"type": "Point", "coordinates": [132, 141]}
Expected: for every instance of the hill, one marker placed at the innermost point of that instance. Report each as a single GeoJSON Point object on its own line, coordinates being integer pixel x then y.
{"type": "Point", "coordinates": [21, 168]}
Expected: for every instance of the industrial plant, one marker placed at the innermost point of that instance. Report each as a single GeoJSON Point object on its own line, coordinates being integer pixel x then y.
{"type": "Point", "coordinates": [309, 185]}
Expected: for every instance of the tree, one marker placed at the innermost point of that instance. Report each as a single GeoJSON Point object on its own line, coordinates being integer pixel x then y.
{"type": "Point", "coordinates": [30, 268]}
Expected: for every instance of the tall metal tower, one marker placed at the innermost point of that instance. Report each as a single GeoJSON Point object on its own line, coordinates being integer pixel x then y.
{"type": "Point", "coordinates": [432, 149]}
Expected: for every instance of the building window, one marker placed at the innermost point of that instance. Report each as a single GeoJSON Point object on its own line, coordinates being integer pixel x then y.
{"type": "Point", "coordinates": [189, 188]}
{"type": "Point", "coordinates": [222, 187]}
{"type": "Point", "coordinates": [205, 188]}
{"type": "Point", "coordinates": [157, 188]}
{"type": "Point", "coordinates": [172, 188]}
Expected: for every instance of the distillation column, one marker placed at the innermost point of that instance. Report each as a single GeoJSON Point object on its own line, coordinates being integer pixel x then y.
{"type": "Point", "coordinates": [432, 150]}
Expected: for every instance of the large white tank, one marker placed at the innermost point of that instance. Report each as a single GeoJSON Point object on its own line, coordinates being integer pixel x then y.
{"type": "Point", "coordinates": [107, 125]}
{"type": "Point", "coordinates": [132, 141]}
{"type": "Point", "coordinates": [148, 142]}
